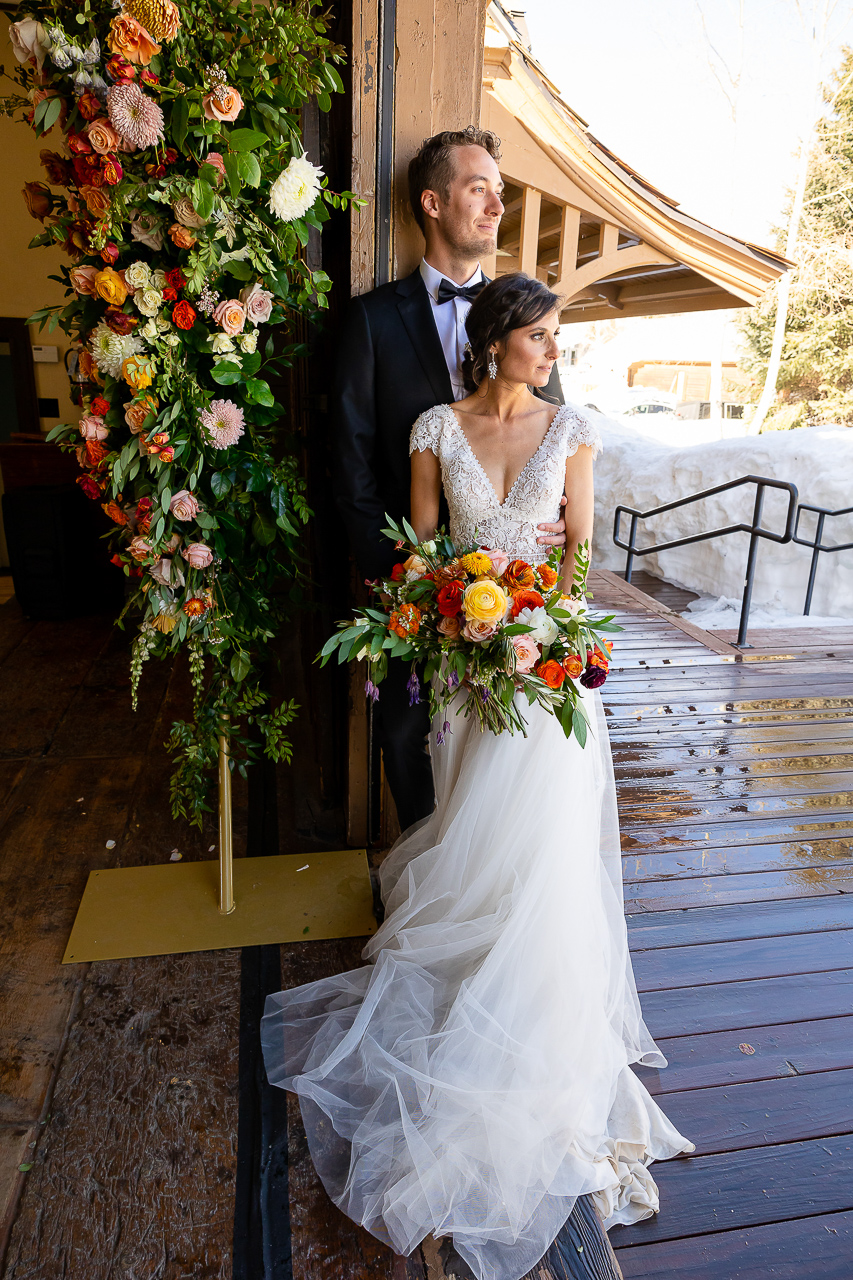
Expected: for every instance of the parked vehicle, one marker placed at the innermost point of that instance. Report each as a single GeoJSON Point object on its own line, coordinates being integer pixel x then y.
{"type": "Point", "coordinates": [699, 409]}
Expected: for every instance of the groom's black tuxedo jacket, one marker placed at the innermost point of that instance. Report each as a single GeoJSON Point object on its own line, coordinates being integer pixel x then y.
{"type": "Point", "coordinates": [390, 369]}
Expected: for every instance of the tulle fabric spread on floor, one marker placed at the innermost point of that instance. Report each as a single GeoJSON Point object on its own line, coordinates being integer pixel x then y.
{"type": "Point", "coordinates": [473, 1078]}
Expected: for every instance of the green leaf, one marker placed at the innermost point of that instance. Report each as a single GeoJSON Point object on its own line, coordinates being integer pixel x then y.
{"type": "Point", "coordinates": [259, 391]}
{"type": "Point", "coordinates": [239, 270]}
{"type": "Point", "coordinates": [249, 169]}
{"type": "Point", "coordinates": [241, 665]}
{"type": "Point", "coordinates": [54, 106]}
{"type": "Point", "coordinates": [252, 363]}
{"type": "Point", "coordinates": [263, 529]}
{"type": "Point", "coordinates": [220, 484]}
{"type": "Point", "coordinates": [579, 725]}
{"type": "Point", "coordinates": [180, 116]}
{"type": "Point", "coordinates": [246, 139]}
{"type": "Point", "coordinates": [202, 198]}
{"type": "Point", "coordinates": [232, 172]}
{"type": "Point", "coordinates": [226, 373]}
{"type": "Point", "coordinates": [165, 498]}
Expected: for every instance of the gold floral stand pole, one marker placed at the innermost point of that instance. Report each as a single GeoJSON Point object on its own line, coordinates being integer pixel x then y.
{"type": "Point", "coordinates": [226, 844]}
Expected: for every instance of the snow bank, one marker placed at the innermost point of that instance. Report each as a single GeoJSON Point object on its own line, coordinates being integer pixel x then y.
{"type": "Point", "coordinates": [642, 472]}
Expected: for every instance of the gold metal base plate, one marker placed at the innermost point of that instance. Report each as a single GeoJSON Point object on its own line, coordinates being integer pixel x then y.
{"type": "Point", "coordinates": [172, 908]}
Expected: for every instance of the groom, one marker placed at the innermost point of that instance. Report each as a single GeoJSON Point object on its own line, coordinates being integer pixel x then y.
{"type": "Point", "coordinates": [400, 354]}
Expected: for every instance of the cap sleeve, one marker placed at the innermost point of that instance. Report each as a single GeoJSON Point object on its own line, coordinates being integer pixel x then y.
{"type": "Point", "coordinates": [426, 433]}
{"type": "Point", "coordinates": [579, 430]}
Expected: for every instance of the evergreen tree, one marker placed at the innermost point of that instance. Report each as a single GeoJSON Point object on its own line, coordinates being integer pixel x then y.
{"type": "Point", "coordinates": [815, 383]}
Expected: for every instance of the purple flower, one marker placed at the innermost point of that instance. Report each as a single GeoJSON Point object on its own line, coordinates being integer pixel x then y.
{"type": "Point", "coordinates": [442, 733]}
{"type": "Point", "coordinates": [414, 688]}
{"type": "Point", "coordinates": [593, 678]}
{"type": "Point", "coordinates": [484, 695]}
{"type": "Point", "coordinates": [452, 680]}
{"type": "Point", "coordinates": [371, 690]}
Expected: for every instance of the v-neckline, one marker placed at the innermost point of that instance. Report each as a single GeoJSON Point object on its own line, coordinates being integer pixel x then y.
{"type": "Point", "coordinates": [526, 466]}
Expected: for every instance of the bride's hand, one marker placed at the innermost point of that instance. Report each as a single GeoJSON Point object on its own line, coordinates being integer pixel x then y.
{"type": "Point", "coordinates": [556, 532]}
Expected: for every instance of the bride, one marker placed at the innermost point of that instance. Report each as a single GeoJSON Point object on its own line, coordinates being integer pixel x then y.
{"type": "Point", "coordinates": [474, 1077]}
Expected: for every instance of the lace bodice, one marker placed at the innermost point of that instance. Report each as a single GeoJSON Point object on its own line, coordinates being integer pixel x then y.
{"type": "Point", "coordinates": [477, 518]}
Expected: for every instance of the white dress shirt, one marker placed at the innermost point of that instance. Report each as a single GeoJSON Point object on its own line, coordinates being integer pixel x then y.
{"type": "Point", "coordinates": [449, 320]}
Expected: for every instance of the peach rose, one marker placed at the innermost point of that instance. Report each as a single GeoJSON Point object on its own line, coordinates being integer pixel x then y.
{"type": "Point", "coordinates": [102, 136]}
{"type": "Point", "coordinates": [139, 548]}
{"type": "Point", "coordinates": [479, 631]}
{"type": "Point", "coordinates": [230, 315]}
{"type": "Point", "coordinates": [135, 415]}
{"type": "Point", "coordinates": [131, 41]}
{"type": "Point", "coordinates": [83, 280]}
{"type": "Point", "coordinates": [573, 666]}
{"type": "Point", "coordinates": [227, 106]}
{"type": "Point", "coordinates": [93, 427]}
{"type": "Point", "coordinates": [110, 287]}
{"type": "Point", "coordinates": [183, 505]}
{"type": "Point", "coordinates": [197, 555]}
{"type": "Point", "coordinates": [526, 653]}
{"type": "Point", "coordinates": [97, 200]}
{"type": "Point", "coordinates": [182, 237]}
{"type": "Point", "coordinates": [449, 627]}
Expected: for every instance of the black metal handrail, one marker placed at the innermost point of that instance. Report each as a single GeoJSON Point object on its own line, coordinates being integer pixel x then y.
{"type": "Point", "coordinates": [755, 530]}
{"type": "Point", "coordinates": [816, 543]}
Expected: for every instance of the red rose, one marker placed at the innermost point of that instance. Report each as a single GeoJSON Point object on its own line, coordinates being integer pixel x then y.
{"type": "Point", "coordinates": [89, 106]}
{"type": "Point", "coordinates": [148, 77]}
{"type": "Point", "coordinates": [143, 506]}
{"type": "Point", "coordinates": [449, 598]}
{"type": "Point", "coordinates": [170, 294]}
{"type": "Point", "coordinates": [100, 406]}
{"type": "Point", "coordinates": [89, 487]}
{"type": "Point", "coordinates": [170, 155]}
{"type": "Point", "coordinates": [398, 573]}
{"type": "Point", "coordinates": [183, 315]}
{"type": "Point", "coordinates": [78, 144]}
{"type": "Point", "coordinates": [119, 68]}
{"type": "Point", "coordinates": [175, 278]}
{"type": "Point", "coordinates": [57, 168]}
{"type": "Point", "coordinates": [109, 253]}
{"type": "Point", "coordinates": [111, 171]}
{"type": "Point", "coordinates": [119, 321]}
{"type": "Point", "coordinates": [167, 454]}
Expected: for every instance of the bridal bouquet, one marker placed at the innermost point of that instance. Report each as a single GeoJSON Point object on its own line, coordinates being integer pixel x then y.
{"type": "Point", "coordinates": [479, 621]}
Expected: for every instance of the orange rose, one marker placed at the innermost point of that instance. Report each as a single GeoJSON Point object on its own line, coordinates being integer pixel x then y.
{"type": "Point", "coordinates": [224, 104]}
{"type": "Point", "coordinates": [97, 201]}
{"type": "Point", "coordinates": [136, 413]}
{"type": "Point", "coordinates": [102, 136]}
{"type": "Point", "coordinates": [551, 672]}
{"type": "Point", "coordinates": [525, 600]}
{"type": "Point", "coordinates": [405, 621]}
{"type": "Point", "coordinates": [518, 576]}
{"type": "Point", "coordinates": [182, 237]}
{"type": "Point", "coordinates": [572, 666]}
{"type": "Point", "coordinates": [131, 41]}
{"type": "Point", "coordinates": [547, 576]}
{"type": "Point", "coordinates": [110, 287]}
{"type": "Point", "coordinates": [114, 512]}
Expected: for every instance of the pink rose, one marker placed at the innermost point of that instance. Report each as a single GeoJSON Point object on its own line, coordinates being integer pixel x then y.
{"type": "Point", "coordinates": [92, 427]}
{"type": "Point", "coordinates": [499, 559]}
{"type": "Point", "coordinates": [183, 505]}
{"type": "Point", "coordinates": [230, 315]}
{"type": "Point", "coordinates": [449, 627]}
{"type": "Point", "coordinates": [83, 280]}
{"type": "Point", "coordinates": [479, 632]}
{"type": "Point", "coordinates": [526, 653]}
{"type": "Point", "coordinates": [227, 106]}
{"type": "Point", "coordinates": [258, 303]}
{"type": "Point", "coordinates": [214, 158]}
{"type": "Point", "coordinates": [139, 548]}
{"type": "Point", "coordinates": [197, 555]}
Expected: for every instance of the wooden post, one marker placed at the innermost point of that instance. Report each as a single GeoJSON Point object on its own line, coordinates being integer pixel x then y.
{"type": "Point", "coordinates": [608, 239]}
{"type": "Point", "coordinates": [569, 235]}
{"type": "Point", "coordinates": [528, 252]}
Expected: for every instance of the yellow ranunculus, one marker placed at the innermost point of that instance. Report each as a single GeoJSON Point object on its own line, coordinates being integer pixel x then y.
{"type": "Point", "coordinates": [476, 563]}
{"type": "Point", "coordinates": [485, 601]}
{"type": "Point", "coordinates": [110, 286]}
{"type": "Point", "coordinates": [138, 372]}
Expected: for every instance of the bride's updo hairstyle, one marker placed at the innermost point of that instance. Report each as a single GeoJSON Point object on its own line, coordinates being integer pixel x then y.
{"type": "Point", "coordinates": [510, 302]}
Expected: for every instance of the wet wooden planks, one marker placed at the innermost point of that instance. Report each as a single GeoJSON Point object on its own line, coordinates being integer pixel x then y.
{"type": "Point", "coordinates": [737, 821]}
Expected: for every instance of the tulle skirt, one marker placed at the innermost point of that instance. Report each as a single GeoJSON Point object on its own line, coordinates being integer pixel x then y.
{"type": "Point", "coordinates": [473, 1078]}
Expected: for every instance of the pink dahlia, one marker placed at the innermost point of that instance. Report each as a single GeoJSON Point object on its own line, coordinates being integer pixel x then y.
{"type": "Point", "coordinates": [135, 117]}
{"type": "Point", "coordinates": [223, 422]}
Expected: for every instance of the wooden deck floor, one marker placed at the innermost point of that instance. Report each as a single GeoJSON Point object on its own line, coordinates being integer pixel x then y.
{"type": "Point", "coordinates": [735, 782]}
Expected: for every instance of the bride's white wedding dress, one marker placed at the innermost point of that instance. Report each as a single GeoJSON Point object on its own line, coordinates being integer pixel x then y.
{"type": "Point", "coordinates": [473, 1078]}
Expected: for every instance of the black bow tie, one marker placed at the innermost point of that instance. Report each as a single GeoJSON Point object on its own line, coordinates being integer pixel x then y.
{"type": "Point", "coordinates": [448, 291]}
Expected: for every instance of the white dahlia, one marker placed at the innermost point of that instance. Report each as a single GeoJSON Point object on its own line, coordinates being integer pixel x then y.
{"type": "Point", "coordinates": [110, 350]}
{"type": "Point", "coordinates": [295, 189]}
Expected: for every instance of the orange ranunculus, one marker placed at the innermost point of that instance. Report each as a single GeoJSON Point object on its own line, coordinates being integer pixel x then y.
{"type": "Point", "coordinates": [573, 666]}
{"type": "Point", "coordinates": [449, 598]}
{"type": "Point", "coordinates": [597, 659]}
{"type": "Point", "coordinates": [405, 621]}
{"type": "Point", "coordinates": [525, 600]}
{"type": "Point", "coordinates": [518, 576]}
{"type": "Point", "coordinates": [547, 575]}
{"type": "Point", "coordinates": [114, 512]}
{"type": "Point", "coordinates": [551, 672]}
{"type": "Point", "coordinates": [110, 287]}
{"type": "Point", "coordinates": [131, 41]}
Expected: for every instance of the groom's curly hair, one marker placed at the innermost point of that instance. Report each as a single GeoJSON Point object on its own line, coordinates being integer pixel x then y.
{"type": "Point", "coordinates": [510, 302]}
{"type": "Point", "coordinates": [432, 168]}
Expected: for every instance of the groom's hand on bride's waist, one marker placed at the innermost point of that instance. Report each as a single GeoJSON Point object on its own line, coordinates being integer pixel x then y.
{"type": "Point", "coordinates": [553, 535]}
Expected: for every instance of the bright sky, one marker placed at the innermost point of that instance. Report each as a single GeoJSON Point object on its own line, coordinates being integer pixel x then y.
{"type": "Point", "coordinates": [638, 72]}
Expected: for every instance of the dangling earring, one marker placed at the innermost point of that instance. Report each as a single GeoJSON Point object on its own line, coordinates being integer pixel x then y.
{"type": "Point", "coordinates": [493, 367]}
